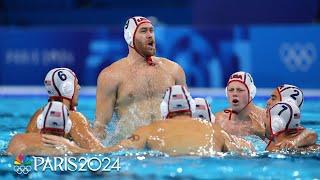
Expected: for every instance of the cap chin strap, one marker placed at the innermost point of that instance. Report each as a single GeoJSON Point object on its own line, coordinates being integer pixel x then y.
{"type": "Point", "coordinates": [273, 136]}
{"type": "Point", "coordinates": [236, 112]}
{"type": "Point", "coordinates": [245, 106]}
{"type": "Point", "coordinates": [286, 130]}
{"type": "Point", "coordinates": [148, 59]}
{"type": "Point", "coordinates": [230, 112]}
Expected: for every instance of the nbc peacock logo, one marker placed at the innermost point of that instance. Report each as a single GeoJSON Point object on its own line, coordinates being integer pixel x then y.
{"type": "Point", "coordinates": [22, 165]}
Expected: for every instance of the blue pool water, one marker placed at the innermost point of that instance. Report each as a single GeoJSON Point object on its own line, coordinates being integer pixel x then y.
{"type": "Point", "coordinates": [15, 112]}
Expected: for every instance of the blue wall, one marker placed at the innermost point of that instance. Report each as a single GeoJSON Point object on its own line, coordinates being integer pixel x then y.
{"type": "Point", "coordinates": [173, 12]}
{"type": "Point", "coordinates": [284, 54]}
{"type": "Point", "coordinates": [273, 54]}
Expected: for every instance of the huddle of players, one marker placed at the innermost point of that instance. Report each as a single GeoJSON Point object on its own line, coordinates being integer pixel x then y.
{"type": "Point", "coordinates": [140, 96]}
{"type": "Point", "coordinates": [280, 122]}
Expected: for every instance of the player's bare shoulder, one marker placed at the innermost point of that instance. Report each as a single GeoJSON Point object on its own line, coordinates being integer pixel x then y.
{"type": "Point", "coordinates": [221, 116]}
{"type": "Point", "coordinates": [78, 119]}
{"type": "Point", "coordinates": [32, 126]}
{"type": "Point", "coordinates": [260, 110]}
{"type": "Point", "coordinates": [77, 116]}
{"type": "Point", "coordinates": [174, 69]}
{"type": "Point", "coordinates": [113, 68]}
{"type": "Point", "coordinates": [170, 65]}
{"type": "Point", "coordinates": [113, 72]}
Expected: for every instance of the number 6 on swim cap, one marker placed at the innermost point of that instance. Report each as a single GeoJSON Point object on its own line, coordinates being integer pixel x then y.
{"type": "Point", "coordinates": [60, 82]}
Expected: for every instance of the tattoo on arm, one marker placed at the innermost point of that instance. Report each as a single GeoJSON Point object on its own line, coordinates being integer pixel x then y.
{"type": "Point", "coordinates": [134, 137]}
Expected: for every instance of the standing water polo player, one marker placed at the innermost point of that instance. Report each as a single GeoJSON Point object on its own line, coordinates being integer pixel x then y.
{"type": "Point", "coordinates": [133, 86]}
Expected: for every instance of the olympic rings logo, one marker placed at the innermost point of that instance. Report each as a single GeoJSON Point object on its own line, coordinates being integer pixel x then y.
{"type": "Point", "coordinates": [22, 169]}
{"type": "Point", "coordinates": [298, 56]}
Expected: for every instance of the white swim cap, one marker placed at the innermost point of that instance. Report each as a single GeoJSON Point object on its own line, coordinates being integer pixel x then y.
{"type": "Point", "coordinates": [177, 99]}
{"type": "Point", "coordinates": [246, 79]}
{"type": "Point", "coordinates": [283, 116]}
{"type": "Point", "coordinates": [131, 27]}
{"type": "Point", "coordinates": [291, 92]}
{"type": "Point", "coordinates": [54, 119]}
{"type": "Point", "coordinates": [60, 82]}
{"type": "Point", "coordinates": [203, 110]}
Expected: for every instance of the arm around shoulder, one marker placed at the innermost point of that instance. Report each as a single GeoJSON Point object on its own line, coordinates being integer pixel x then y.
{"type": "Point", "coordinates": [306, 138]}
{"type": "Point", "coordinates": [16, 145]}
{"type": "Point", "coordinates": [220, 117]}
{"type": "Point", "coordinates": [236, 144]}
{"type": "Point", "coordinates": [81, 132]}
{"type": "Point", "coordinates": [32, 126]}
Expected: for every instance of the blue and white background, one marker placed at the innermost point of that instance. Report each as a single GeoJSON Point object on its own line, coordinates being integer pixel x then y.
{"type": "Point", "coordinates": [277, 42]}
{"type": "Point", "coordinates": [273, 54]}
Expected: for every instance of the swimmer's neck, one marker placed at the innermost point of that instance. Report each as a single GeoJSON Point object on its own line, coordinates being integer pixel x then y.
{"type": "Point", "coordinates": [244, 114]}
{"type": "Point", "coordinates": [134, 57]}
{"type": "Point", "coordinates": [67, 103]}
{"type": "Point", "coordinates": [64, 101]}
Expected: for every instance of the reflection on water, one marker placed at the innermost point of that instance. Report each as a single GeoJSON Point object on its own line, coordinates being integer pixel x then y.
{"type": "Point", "coordinates": [157, 165]}
{"type": "Point", "coordinates": [145, 164]}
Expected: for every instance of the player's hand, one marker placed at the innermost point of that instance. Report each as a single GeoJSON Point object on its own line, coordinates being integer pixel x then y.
{"type": "Point", "coordinates": [58, 142]}
{"type": "Point", "coordinates": [100, 133]}
{"type": "Point", "coordinates": [287, 144]}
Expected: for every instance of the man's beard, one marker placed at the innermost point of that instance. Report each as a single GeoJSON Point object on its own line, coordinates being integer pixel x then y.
{"type": "Point", "coordinates": [145, 50]}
